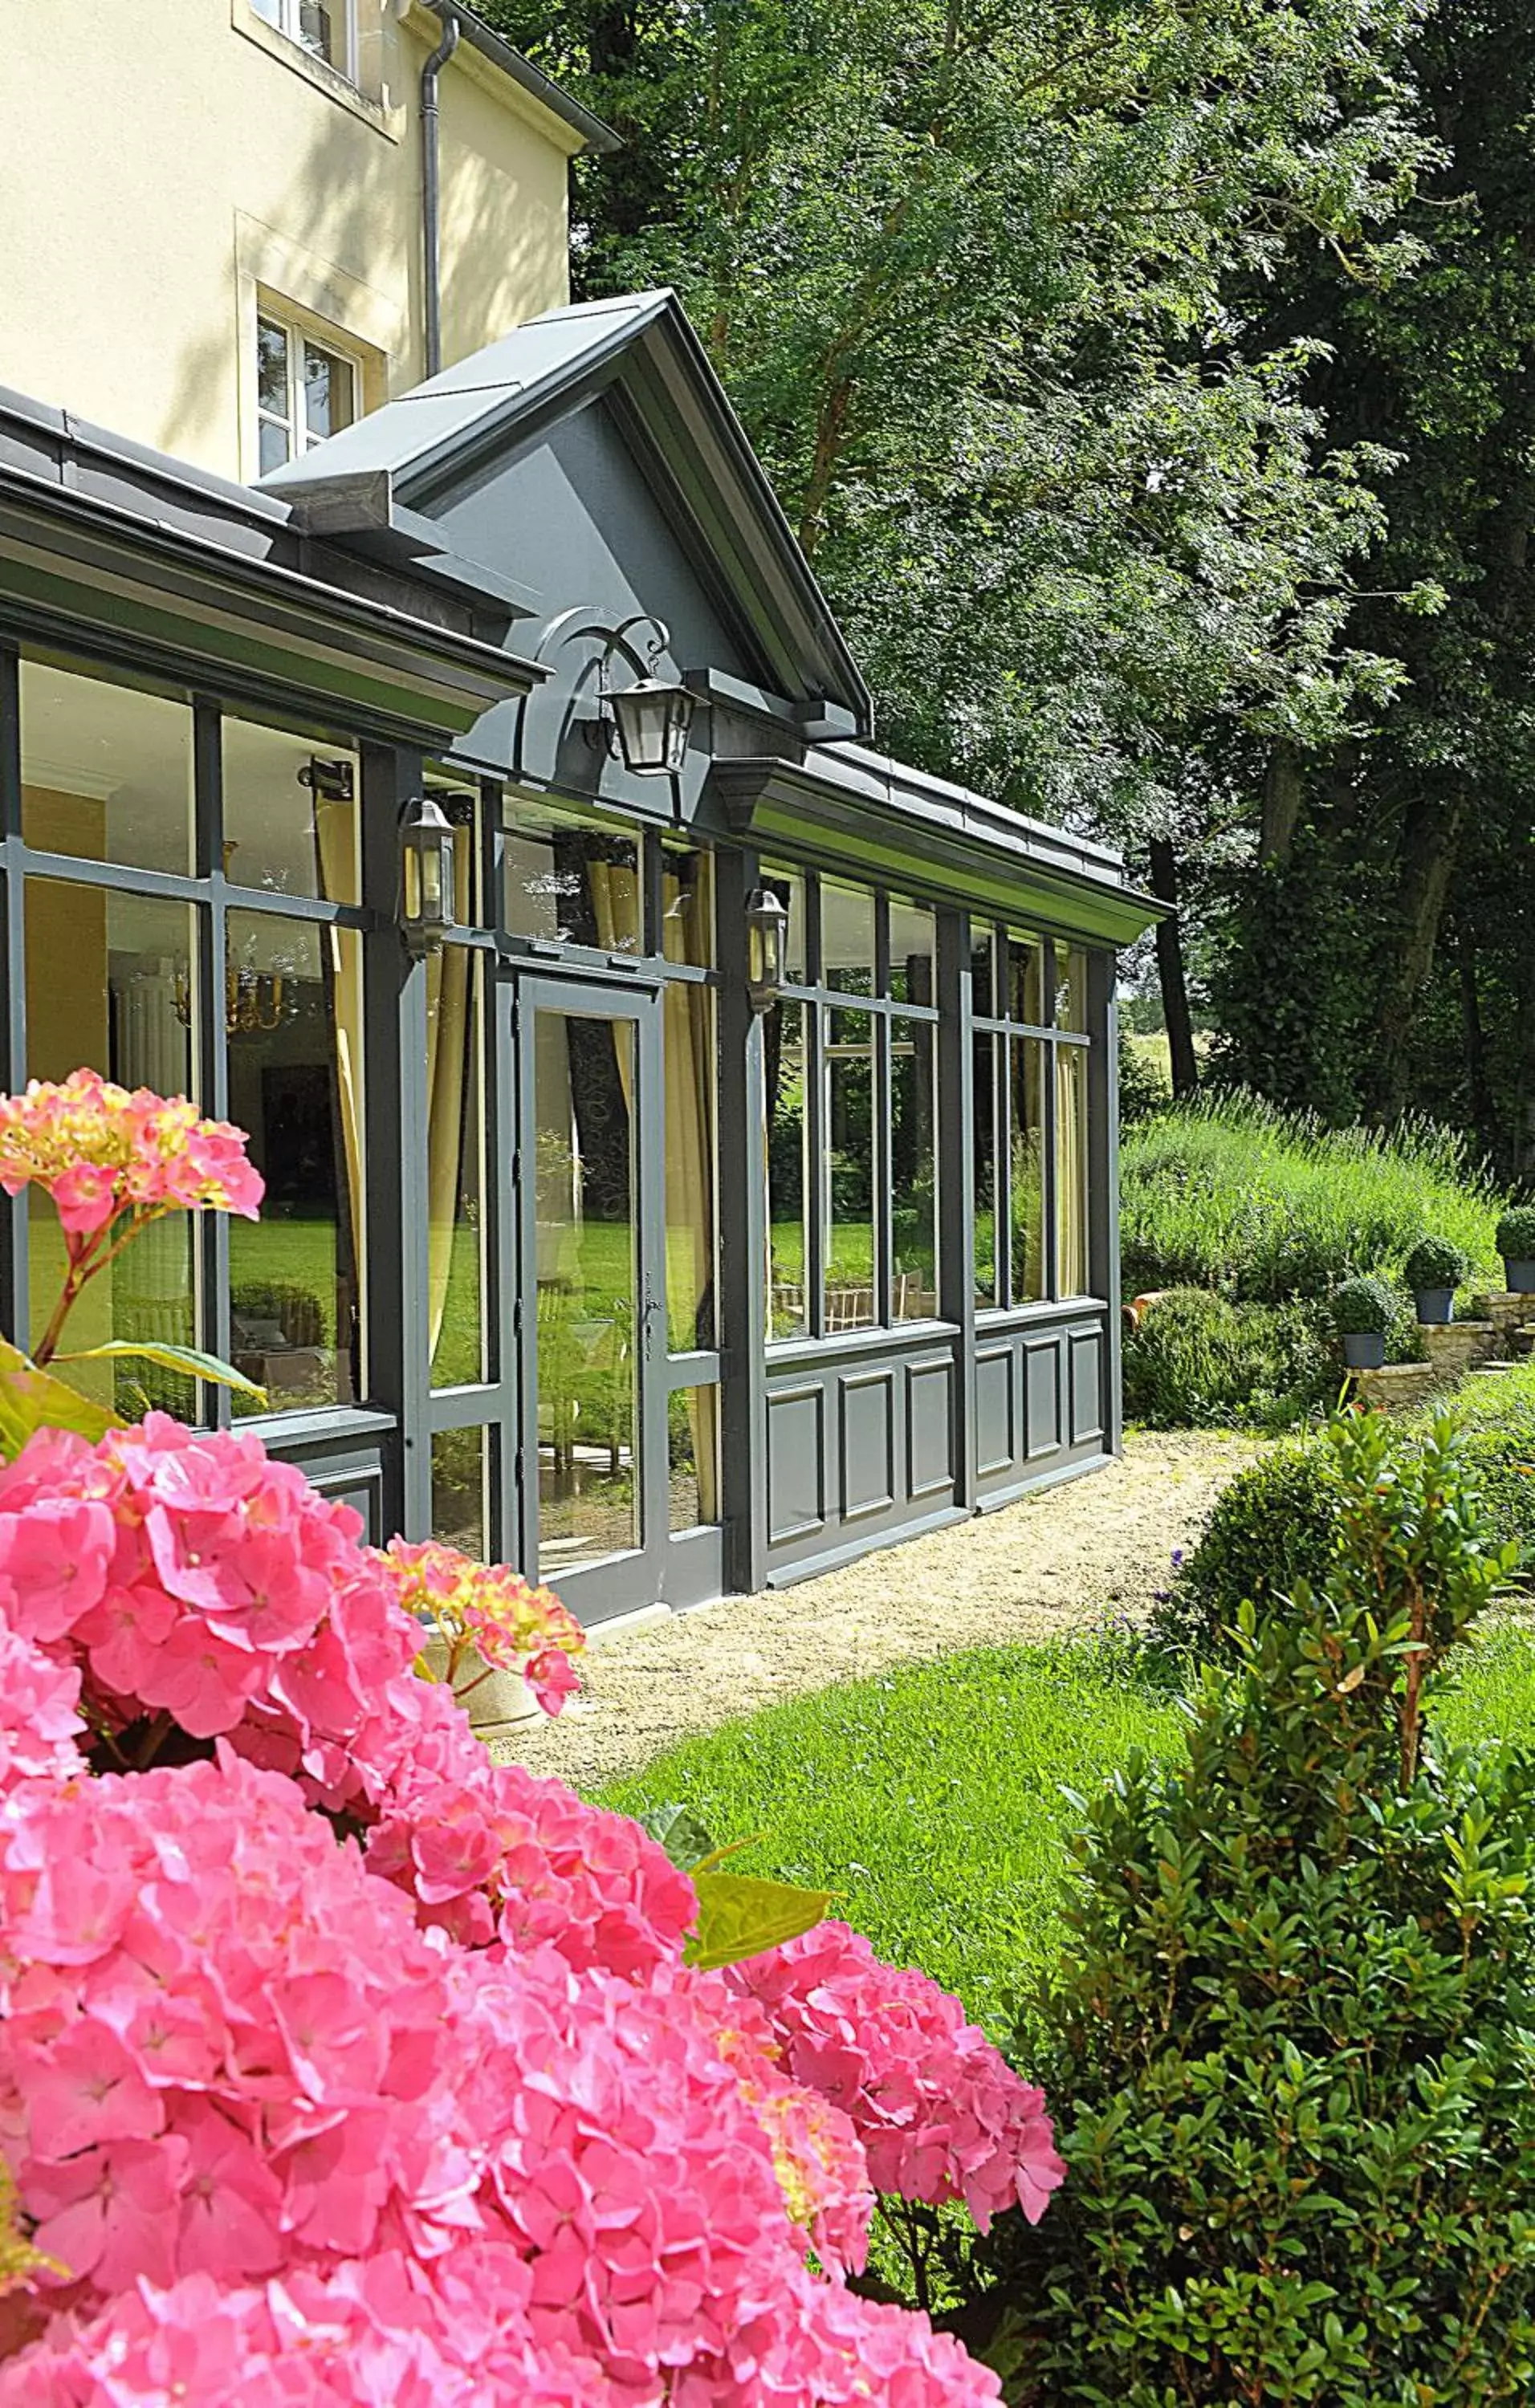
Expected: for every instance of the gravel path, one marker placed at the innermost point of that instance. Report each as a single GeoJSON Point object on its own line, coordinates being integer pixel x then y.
{"type": "Point", "coordinates": [1049, 1564]}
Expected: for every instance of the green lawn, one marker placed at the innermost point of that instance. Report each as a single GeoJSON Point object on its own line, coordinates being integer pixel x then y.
{"type": "Point", "coordinates": [928, 1799]}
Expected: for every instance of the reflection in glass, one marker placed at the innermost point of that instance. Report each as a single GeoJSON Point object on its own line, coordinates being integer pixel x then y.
{"type": "Point", "coordinates": [914, 1172]}
{"type": "Point", "coordinates": [455, 1168]}
{"type": "Point", "coordinates": [290, 812]}
{"type": "Point", "coordinates": [1071, 1169]}
{"type": "Point", "coordinates": [694, 1458]}
{"type": "Point", "coordinates": [294, 1084]}
{"type": "Point", "coordinates": [983, 1061]}
{"type": "Point", "coordinates": [1025, 981]}
{"type": "Point", "coordinates": [847, 938]}
{"type": "Point", "coordinates": [688, 907]}
{"type": "Point", "coordinates": [569, 879]}
{"type": "Point", "coordinates": [106, 771]}
{"type": "Point", "coordinates": [1071, 989]}
{"type": "Point", "coordinates": [1026, 1190]}
{"type": "Point", "coordinates": [912, 954]}
{"type": "Point", "coordinates": [849, 1301]}
{"type": "Point", "coordinates": [789, 886]}
{"type": "Point", "coordinates": [109, 987]}
{"type": "Point", "coordinates": [585, 1259]}
{"type": "Point", "coordinates": [783, 1056]}
{"type": "Point", "coordinates": [461, 1491]}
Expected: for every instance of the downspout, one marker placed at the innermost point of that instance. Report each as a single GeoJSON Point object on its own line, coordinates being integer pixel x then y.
{"type": "Point", "coordinates": [431, 278]}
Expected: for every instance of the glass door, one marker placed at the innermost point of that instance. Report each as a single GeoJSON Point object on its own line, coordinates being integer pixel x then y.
{"type": "Point", "coordinates": [592, 1320]}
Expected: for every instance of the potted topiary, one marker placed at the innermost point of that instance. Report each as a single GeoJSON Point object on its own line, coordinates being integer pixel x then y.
{"type": "Point", "coordinates": [1516, 1244]}
{"type": "Point", "coordinates": [1434, 1269]}
{"type": "Point", "coordinates": [1361, 1314]}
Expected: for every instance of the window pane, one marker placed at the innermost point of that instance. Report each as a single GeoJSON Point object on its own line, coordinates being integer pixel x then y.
{"type": "Point", "coordinates": [461, 1491]}
{"type": "Point", "coordinates": [913, 1171]}
{"type": "Point", "coordinates": [106, 771]}
{"type": "Point", "coordinates": [688, 1028]}
{"type": "Point", "coordinates": [850, 1169]}
{"type": "Point", "coordinates": [1026, 1196]}
{"type": "Point", "coordinates": [847, 938]}
{"type": "Point", "coordinates": [983, 983]}
{"type": "Point", "coordinates": [109, 987]}
{"type": "Point", "coordinates": [789, 886]}
{"type": "Point", "coordinates": [570, 880]}
{"type": "Point", "coordinates": [315, 28]}
{"type": "Point", "coordinates": [912, 954]}
{"type": "Point", "coordinates": [1071, 1169]}
{"type": "Point", "coordinates": [272, 367]}
{"type": "Point", "coordinates": [585, 1264]}
{"type": "Point", "coordinates": [327, 391]}
{"type": "Point", "coordinates": [455, 1168]}
{"type": "Point", "coordinates": [292, 1012]}
{"type": "Point", "coordinates": [290, 812]}
{"type": "Point", "coordinates": [693, 1422]}
{"type": "Point", "coordinates": [1025, 981]}
{"type": "Point", "coordinates": [273, 444]}
{"type": "Point", "coordinates": [687, 908]}
{"type": "Point", "coordinates": [784, 1054]}
{"type": "Point", "coordinates": [1071, 988]}
{"type": "Point", "coordinates": [983, 1061]}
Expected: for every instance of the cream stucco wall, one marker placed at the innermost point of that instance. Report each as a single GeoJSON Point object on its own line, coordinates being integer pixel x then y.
{"type": "Point", "coordinates": [162, 167]}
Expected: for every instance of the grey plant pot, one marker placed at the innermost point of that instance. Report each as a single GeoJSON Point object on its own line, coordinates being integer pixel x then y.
{"type": "Point", "coordinates": [1520, 1277]}
{"type": "Point", "coordinates": [1434, 1305]}
{"type": "Point", "coordinates": [1364, 1350]}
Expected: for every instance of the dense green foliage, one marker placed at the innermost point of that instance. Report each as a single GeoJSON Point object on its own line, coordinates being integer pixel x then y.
{"type": "Point", "coordinates": [1425, 989]}
{"type": "Point", "coordinates": [979, 282]}
{"type": "Point", "coordinates": [1195, 1360]}
{"type": "Point", "coordinates": [1294, 2029]}
{"type": "Point", "coordinates": [1263, 1206]}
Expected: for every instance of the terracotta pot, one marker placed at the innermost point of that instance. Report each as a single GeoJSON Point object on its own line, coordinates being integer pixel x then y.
{"type": "Point", "coordinates": [1520, 1276]}
{"type": "Point", "coordinates": [1434, 1306]}
{"type": "Point", "coordinates": [1364, 1350]}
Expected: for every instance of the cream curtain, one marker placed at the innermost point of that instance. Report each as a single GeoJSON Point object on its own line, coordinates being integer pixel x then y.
{"type": "Point", "coordinates": [450, 1034]}
{"type": "Point", "coordinates": [335, 840]}
{"type": "Point", "coordinates": [1071, 1169]}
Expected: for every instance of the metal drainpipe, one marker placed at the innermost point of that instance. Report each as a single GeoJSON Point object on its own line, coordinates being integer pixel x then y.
{"type": "Point", "coordinates": [432, 291]}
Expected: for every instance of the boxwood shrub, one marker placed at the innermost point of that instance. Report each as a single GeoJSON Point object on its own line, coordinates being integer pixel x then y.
{"type": "Point", "coordinates": [1516, 1234]}
{"type": "Point", "coordinates": [1360, 1306]}
{"type": "Point", "coordinates": [1292, 2043]}
{"type": "Point", "coordinates": [1435, 1262]}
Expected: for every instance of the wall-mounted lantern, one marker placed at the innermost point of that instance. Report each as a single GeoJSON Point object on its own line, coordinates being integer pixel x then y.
{"type": "Point", "coordinates": [647, 722]}
{"type": "Point", "coordinates": [766, 937]}
{"type": "Point", "coordinates": [653, 720]}
{"type": "Point", "coordinates": [427, 873]}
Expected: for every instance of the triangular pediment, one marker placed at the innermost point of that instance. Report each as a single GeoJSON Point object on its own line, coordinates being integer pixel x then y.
{"type": "Point", "coordinates": [591, 459]}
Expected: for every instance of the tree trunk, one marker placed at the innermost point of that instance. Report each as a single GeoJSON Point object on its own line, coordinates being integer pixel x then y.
{"type": "Point", "coordinates": [1283, 791]}
{"type": "Point", "coordinates": [1478, 1083]}
{"type": "Point", "coordinates": [1169, 966]}
{"type": "Point", "coordinates": [1427, 856]}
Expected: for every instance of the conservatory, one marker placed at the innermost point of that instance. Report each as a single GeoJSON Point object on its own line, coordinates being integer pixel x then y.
{"type": "Point", "coordinates": [688, 1135]}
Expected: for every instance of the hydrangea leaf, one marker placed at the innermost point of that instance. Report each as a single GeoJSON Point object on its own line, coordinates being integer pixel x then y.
{"type": "Point", "coordinates": [189, 1359]}
{"type": "Point", "coordinates": [740, 1917]}
{"type": "Point", "coordinates": [32, 1399]}
{"type": "Point", "coordinates": [678, 1832]}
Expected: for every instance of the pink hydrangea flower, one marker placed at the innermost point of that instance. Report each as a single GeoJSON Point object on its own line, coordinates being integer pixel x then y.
{"type": "Point", "coordinates": [39, 1722]}
{"type": "Point", "coordinates": [939, 2111]}
{"type": "Point", "coordinates": [100, 1151]}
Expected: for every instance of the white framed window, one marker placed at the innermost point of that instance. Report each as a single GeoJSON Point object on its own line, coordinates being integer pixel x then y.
{"type": "Point", "coordinates": [321, 27]}
{"type": "Point", "coordinates": [305, 391]}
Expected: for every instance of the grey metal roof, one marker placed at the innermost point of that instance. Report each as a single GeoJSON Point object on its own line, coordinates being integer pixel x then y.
{"type": "Point", "coordinates": [482, 38]}
{"type": "Point", "coordinates": [640, 345]}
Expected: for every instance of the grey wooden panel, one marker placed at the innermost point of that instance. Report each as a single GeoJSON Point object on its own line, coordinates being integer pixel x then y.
{"type": "Point", "coordinates": [1042, 1385]}
{"type": "Point", "coordinates": [930, 1427]}
{"type": "Point", "coordinates": [797, 1463]}
{"type": "Point", "coordinates": [1086, 1386]}
{"type": "Point", "coordinates": [996, 1420]}
{"type": "Point", "coordinates": [867, 1432]}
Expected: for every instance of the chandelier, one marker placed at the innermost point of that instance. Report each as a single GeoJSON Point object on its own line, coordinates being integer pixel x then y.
{"type": "Point", "coordinates": [254, 1001]}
